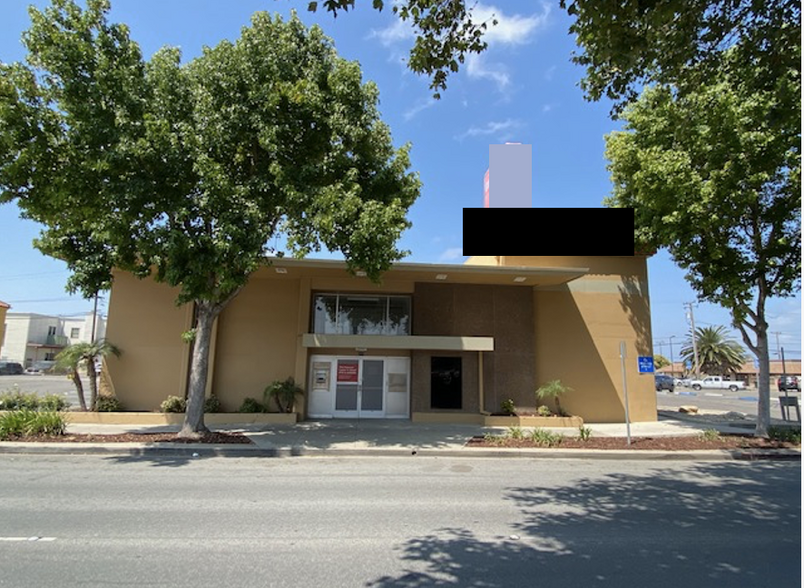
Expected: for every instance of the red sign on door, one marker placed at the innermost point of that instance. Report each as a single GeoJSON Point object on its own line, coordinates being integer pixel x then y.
{"type": "Point", "coordinates": [347, 371]}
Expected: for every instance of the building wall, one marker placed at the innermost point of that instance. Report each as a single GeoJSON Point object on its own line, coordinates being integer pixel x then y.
{"type": "Point", "coordinates": [256, 340]}
{"type": "Point", "coordinates": [145, 323]}
{"type": "Point", "coordinates": [502, 312]}
{"type": "Point", "coordinates": [3, 310]}
{"type": "Point", "coordinates": [578, 328]}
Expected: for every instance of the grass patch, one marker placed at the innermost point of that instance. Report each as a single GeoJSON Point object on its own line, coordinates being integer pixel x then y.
{"type": "Point", "coordinates": [26, 423]}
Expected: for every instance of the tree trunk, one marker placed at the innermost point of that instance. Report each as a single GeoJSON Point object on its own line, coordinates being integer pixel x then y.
{"type": "Point", "coordinates": [79, 388]}
{"type": "Point", "coordinates": [92, 374]}
{"type": "Point", "coordinates": [194, 426]}
{"type": "Point", "coordinates": [763, 385]}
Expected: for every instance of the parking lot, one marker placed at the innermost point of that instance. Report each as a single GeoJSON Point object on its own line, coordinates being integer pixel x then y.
{"type": "Point", "coordinates": [744, 401]}
{"type": "Point", "coordinates": [44, 385]}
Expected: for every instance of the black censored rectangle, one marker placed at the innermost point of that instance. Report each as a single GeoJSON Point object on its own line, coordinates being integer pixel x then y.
{"type": "Point", "coordinates": [548, 231]}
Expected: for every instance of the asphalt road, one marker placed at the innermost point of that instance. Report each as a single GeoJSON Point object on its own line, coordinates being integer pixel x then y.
{"type": "Point", "coordinates": [413, 521]}
{"type": "Point", "coordinates": [744, 401]}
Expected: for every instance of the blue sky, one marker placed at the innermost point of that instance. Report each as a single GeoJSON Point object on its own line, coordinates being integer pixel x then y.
{"type": "Point", "coordinates": [524, 89]}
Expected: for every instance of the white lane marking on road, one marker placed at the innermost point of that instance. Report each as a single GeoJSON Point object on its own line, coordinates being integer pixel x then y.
{"type": "Point", "coordinates": [27, 538]}
{"type": "Point", "coordinates": [713, 394]}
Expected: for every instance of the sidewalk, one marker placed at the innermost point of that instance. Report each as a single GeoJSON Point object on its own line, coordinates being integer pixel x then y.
{"type": "Point", "coordinates": [379, 437]}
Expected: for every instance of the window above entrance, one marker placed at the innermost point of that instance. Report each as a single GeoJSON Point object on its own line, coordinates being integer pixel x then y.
{"type": "Point", "coordinates": [361, 314]}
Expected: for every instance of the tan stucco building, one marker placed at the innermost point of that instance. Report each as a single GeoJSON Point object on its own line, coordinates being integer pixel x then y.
{"type": "Point", "coordinates": [432, 341]}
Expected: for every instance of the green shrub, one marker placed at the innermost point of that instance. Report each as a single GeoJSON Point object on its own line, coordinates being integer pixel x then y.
{"type": "Point", "coordinates": [53, 402]}
{"type": "Point", "coordinates": [173, 404]}
{"type": "Point", "coordinates": [15, 400]}
{"type": "Point", "coordinates": [251, 405]}
{"type": "Point", "coordinates": [515, 433]}
{"type": "Point", "coordinates": [283, 393]}
{"type": "Point", "coordinates": [212, 404]}
{"type": "Point", "coordinates": [584, 433]}
{"type": "Point", "coordinates": [709, 435]}
{"type": "Point", "coordinates": [508, 407]}
{"type": "Point", "coordinates": [493, 439]}
{"type": "Point", "coordinates": [26, 422]}
{"type": "Point", "coordinates": [545, 438]}
{"type": "Point", "coordinates": [108, 404]}
{"type": "Point", "coordinates": [543, 411]}
{"type": "Point", "coordinates": [785, 434]}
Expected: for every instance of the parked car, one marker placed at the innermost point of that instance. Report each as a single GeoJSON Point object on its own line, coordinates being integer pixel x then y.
{"type": "Point", "coordinates": [789, 383]}
{"type": "Point", "coordinates": [717, 383]}
{"type": "Point", "coordinates": [10, 368]}
{"type": "Point", "coordinates": [40, 367]}
{"type": "Point", "coordinates": [664, 382]}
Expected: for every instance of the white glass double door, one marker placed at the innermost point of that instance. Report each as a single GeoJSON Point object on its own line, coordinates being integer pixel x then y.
{"type": "Point", "coordinates": [359, 387]}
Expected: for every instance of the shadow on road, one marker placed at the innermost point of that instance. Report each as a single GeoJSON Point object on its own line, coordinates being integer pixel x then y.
{"type": "Point", "coordinates": [706, 525]}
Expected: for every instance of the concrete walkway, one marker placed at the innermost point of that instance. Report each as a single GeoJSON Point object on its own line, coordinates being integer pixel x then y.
{"type": "Point", "coordinates": [384, 437]}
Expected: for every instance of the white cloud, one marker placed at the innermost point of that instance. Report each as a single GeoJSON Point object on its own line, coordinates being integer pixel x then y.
{"type": "Point", "coordinates": [501, 130]}
{"type": "Point", "coordinates": [548, 75]}
{"type": "Point", "coordinates": [419, 107]}
{"type": "Point", "coordinates": [451, 254]}
{"type": "Point", "coordinates": [513, 29]}
{"type": "Point", "coordinates": [546, 108]}
{"type": "Point", "coordinates": [477, 68]}
{"type": "Point", "coordinates": [396, 32]}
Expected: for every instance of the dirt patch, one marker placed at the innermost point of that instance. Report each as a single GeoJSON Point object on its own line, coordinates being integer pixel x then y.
{"type": "Point", "coordinates": [681, 443]}
{"type": "Point", "coordinates": [211, 438]}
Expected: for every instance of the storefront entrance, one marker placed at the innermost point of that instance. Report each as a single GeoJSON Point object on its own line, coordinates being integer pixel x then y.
{"type": "Point", "coordinates": [359, 387]}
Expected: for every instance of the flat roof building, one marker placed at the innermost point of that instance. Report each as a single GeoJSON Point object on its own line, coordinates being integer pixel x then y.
{"type": "Point", "coordinates": [431, 342]}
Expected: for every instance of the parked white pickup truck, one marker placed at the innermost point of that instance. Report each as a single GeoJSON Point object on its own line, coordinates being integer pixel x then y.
{"type": "Point", "coordinates": [717, 383]}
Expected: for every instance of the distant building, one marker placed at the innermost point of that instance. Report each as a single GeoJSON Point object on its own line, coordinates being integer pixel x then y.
{"type": "Point", "coordinates": [30, 337]}
{"type": "Point", "coordinates": [3, 309]}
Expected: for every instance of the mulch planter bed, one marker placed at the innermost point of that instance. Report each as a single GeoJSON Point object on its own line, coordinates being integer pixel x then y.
{"type": "Point", "coordinates": [661, 443]}
{"type": "Point", "coordinates": [212, 438]}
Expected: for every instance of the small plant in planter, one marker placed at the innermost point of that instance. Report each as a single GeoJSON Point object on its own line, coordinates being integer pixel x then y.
{"type": "Point", "coordinates": [173, 404]}
{"type": "Point", "coordinates": [251, 405]}
{"type": "Point", "coordinates": [283, 393]}
{"type": "Point", "coordinates": [543, 411]}
{"type": "Point", "coordinates": [551, 391]}
{"type": "Point", "coordinates": [508, 407]}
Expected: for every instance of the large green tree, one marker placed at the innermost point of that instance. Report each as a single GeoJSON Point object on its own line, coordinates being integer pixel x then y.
{"type": "Point", "coordinates": [717, 353]}
{"type": "Point", "coordinates": [185, 171]}
{"type": "Point", "coordinates": [714, 179]}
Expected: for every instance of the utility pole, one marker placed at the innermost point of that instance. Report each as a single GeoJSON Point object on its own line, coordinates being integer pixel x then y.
{"type": "Point", "coordinates": [778, 352]}
{"type": "Point", "coordinates": [672, 360]}
{"type": "Point", "coordinates": [689, 306]}
{"type": "Point", "coordinates": [94, 319]}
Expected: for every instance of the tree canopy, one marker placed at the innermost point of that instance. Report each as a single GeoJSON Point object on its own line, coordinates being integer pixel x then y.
{"type": "Point", "coordinates": [185, 171]}
{"type": "Point", "coordinates": [713, 177]}
{"type": "Point", "coordinates": [446, 32]}
{"type": "Point", "coordinates": [717, 354]}
{"type": "Point", "coordinates": [626, 45]}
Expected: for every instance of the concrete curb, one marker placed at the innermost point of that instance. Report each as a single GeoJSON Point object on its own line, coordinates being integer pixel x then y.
{"type": "Point", "coordinates": [198, 450]}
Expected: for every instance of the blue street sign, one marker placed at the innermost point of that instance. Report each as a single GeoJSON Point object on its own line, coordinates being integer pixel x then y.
{"type": "Point", "coordinates": [645, 364]}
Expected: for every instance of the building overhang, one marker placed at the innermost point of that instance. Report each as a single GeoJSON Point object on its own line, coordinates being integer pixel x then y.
{"type": "Point", "coordinates": [408, 342]}
{"type": "Point", "coordinates": [440, 273]}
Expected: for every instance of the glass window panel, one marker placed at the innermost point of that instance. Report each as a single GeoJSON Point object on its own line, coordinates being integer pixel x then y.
{"type": "Point", "coordinates": [356, 314]}
{"type": "Point", "coordinates": [361, 315]}
{"type": "Point", "coordinates": [398, 322]}
{"type": "Point", "coordinates": [325, 313]}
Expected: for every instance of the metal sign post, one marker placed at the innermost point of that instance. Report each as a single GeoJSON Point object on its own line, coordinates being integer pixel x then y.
{"type": "Point", "coordinates": [625, 393]}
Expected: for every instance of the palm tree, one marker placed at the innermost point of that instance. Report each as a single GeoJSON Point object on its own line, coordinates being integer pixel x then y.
{"type": "Point", "coordinates": [717, 353]}
{"type": "Point", "coordinates": [71, 358]}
